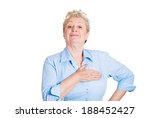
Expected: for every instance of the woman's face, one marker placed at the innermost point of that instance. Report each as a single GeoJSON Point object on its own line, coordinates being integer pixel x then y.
{"type": "Point", "coordinates": [75, 32]}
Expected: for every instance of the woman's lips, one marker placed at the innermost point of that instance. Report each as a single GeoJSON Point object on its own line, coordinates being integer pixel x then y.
{"type": "Point", "coordinates": [74, 35]}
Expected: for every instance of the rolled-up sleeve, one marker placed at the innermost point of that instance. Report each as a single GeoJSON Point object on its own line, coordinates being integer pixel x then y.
{"type": "Point", "coordinates": [125, 79]}
{"type": "Point", "coordinates": [121, 74]}
{"type": "Point", "coordinates": [50, 84]}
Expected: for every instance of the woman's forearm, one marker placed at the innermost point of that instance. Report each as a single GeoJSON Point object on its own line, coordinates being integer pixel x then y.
{"type": "Point", "coordinates": [68, 84]}
{"type": "Point", "coordinates": [117, 95]}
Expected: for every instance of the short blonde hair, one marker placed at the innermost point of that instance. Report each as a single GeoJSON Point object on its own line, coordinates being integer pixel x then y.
{"type": "Point", "coordinates": [77, 13]}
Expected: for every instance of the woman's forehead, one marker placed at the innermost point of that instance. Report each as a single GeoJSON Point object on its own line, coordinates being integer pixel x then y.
{"type": "Point", "coordinates": [76, 20]}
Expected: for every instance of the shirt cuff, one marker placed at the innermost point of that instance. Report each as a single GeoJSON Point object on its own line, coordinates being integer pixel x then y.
{"type": "Point", "coordinates": [55, 91]}
{"type": "Point", "coordinates": [126, 88]}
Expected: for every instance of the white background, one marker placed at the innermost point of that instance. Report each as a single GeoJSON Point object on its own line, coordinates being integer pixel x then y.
{"type": "Point", "coordinates": [30, 30]}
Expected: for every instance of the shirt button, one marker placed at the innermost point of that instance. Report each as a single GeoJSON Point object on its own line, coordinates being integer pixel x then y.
{"type": "Point", "coordinates": [86, 90]}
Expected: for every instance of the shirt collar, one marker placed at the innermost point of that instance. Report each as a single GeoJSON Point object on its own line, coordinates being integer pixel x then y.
{"type": "Point", "coordinates": [65, 55]}
{"type": "Point", "coordinates": [87, 55]}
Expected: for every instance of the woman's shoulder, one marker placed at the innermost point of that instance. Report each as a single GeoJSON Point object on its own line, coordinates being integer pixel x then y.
{"type": "Point", "coordinates": [54, 57]}
{"type": "Point", "coordinates": [97, 52]}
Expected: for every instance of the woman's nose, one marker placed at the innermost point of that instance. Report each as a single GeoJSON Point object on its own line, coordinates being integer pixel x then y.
{"type": "Point", "coordinates": [74, 29]}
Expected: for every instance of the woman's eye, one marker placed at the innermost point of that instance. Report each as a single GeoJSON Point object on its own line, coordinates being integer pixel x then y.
{"type": "Point", "coordinates": [69, 26]}
{"type": "Point", "coordinates": [79, 26]}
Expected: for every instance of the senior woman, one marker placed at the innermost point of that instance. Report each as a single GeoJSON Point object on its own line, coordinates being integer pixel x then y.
{"type": "Point", "coordinates": [78, 74]}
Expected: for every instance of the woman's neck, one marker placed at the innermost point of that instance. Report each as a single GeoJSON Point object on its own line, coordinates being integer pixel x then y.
{"type": "Point", "coordinates": [77, 54]}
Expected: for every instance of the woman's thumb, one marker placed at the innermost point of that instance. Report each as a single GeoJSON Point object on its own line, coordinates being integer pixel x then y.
{"type": "Point", "coordinates": [83, 67]}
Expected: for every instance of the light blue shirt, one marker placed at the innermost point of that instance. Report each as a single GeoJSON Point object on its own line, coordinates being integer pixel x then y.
{"type": "Point", "coordinates": [61, 65]}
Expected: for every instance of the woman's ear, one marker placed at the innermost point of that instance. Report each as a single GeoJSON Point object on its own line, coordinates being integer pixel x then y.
{"type": "Point", "coordinates": [64, 35]}
{"type": "Point", "coordinates": [87, 35]}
